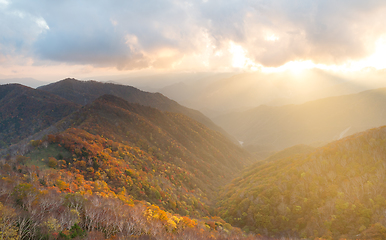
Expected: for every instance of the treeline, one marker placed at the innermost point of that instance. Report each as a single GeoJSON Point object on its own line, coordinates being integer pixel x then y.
{"type": "Point", "coordinates": [338, 191]}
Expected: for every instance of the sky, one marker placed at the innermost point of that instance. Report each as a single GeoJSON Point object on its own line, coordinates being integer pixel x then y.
{"type": "Point", "coordinates": [49, 40]}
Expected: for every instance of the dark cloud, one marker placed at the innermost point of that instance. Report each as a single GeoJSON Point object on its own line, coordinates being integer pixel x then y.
{"type": "Point", "coordinates": [157, 33]}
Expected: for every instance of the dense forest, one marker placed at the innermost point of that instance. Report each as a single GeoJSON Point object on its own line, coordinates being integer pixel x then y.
{"type": "Point", "coordinates": [39, 203]}
{"type": "Point", "coordinates": [337, 191]}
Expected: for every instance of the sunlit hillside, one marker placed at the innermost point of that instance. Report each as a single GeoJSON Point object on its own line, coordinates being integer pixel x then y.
{"type": "Point", "coordinates": [337, 191]}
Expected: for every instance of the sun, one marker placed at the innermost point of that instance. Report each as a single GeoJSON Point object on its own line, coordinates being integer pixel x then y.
{"type": "Point", "coordinates": [240, 59]}
{"type": "Point", "coordinates": [378, 59]}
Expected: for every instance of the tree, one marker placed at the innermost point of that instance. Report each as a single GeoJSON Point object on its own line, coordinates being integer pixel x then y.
{"type": "Point", "coordinates": [52, 162]}
{"type": "Point", "coordinates": [7, 223]}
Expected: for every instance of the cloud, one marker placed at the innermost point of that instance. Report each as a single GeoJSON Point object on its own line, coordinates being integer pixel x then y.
{"type": "Point", "coordinates": [19, 30]}
{"type": "Point", "coordinates": [167, 33]}
{"type": "Point", "coordinates": [324, 31]}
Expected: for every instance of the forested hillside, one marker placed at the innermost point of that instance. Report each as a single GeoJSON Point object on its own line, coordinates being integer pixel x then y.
{"type": "Point", "coordinates": [337, 191]}
{"type": "Point", "coordinates": [94, 174]}
{"type": "Point", "coordinates": [60, 204]}
{"type": "Point", "coordinates": [84, 92]}
{"type": "Point", "coordinates": [164, 158]}
{"type": "Point", "coordinates": [25, 111]}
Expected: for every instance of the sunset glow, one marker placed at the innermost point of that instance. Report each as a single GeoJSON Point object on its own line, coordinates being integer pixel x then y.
{"type": "Point", "coordinates": [376, 60]}
{"type": "Point", "coordinates": [197, 36]}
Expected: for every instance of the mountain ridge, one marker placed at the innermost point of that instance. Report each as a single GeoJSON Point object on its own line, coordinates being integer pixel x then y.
{"type": "Point", "coordinates": [320, 120]}
{"type": "Point", "coordinates": [25, 111]}
{"type": "Point", "coordinates": [83, 92]}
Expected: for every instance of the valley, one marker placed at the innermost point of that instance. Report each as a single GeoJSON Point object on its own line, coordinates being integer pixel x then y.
{"type": "Point", "coordinates": [311, 123]}
{"type": "Point", "coordinates": [113, 160]}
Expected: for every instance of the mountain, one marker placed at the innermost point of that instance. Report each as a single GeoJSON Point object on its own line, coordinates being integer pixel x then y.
{"type": "Point", "coordinates": [322, 120]}
{"type": "Point", "coordinates": [84, 92]}
{"type": "Point", "coordinates": [30, 82]}
{"type": "Point", "coordinates": [164, 158]}
{"type": "Point", "coordinates": [25, 111]}
{"type": "Point", "coordinates": [187, 89]}
{"type": "Point", "coordinates": [155, 82]}
{"type": "Point", "coordinates": [337, 191]}
{"type": "Point", "coordinates": [119, 170]}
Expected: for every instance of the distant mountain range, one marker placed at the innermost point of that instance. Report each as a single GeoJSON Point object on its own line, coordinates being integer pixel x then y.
{"type": "Point", "coordinates": [240, 92]}
{"type": "Point", "coordinates": [29, 82]}
{"type": "Point", "coordinates": [314, 122]}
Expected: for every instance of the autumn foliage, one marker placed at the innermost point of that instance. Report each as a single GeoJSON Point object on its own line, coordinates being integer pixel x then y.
{"type": "Point", "coordinates": [123, 170]}
{"type": "Point", "coordinates": [56, 204]}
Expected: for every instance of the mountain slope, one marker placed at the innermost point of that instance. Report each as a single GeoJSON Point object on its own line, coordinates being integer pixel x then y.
{"type": "Point", "coordinates": [25, 111]}
{"type": "Point", "coordinates": [322, 120]}
{"type": "Point", "coordinates": [161, 157]}
{"type": "Point", "coordinates": [118, 170]}
{"type": "Point", "coordinates": [337, 191]}
{"type": "Point", "coordinates": [85, 92]}
{"type": "Point", "coordinates": [297, 149]}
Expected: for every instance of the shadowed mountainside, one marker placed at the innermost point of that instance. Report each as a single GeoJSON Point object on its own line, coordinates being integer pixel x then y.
{"type": "Point", "coordinates": [84, 92]}
{"type": "Point", "coordinates": [25, 111]}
